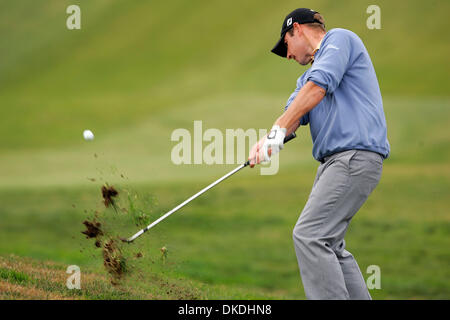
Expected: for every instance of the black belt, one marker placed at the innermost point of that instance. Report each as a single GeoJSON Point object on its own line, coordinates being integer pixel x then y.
{"type": "Point", "coordinates": [324, 159]}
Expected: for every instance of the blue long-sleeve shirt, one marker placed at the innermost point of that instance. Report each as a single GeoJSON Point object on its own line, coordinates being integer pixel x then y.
{"type": "Point", "coordinates": [351, 115]}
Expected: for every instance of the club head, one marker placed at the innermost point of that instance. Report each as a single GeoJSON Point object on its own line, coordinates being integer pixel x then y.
{"type": "Point", "coordinates": [126, 240]}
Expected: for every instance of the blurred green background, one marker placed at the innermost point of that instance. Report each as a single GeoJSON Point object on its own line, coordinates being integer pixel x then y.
{"type": "Point", "coordinates": [138, 70]}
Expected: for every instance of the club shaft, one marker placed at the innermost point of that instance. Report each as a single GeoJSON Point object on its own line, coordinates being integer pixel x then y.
{"type": "Point", "coordinates": [186, 202]}
{"type": "Point", "coordinates": [154, 223]}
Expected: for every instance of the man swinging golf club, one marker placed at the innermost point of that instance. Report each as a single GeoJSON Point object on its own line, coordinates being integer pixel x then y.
{"type": "Point", "coordinates": [339, 97]}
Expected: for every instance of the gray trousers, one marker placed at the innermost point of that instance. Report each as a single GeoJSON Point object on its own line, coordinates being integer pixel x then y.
{"type": "Point", "coordinates": [342, 184]}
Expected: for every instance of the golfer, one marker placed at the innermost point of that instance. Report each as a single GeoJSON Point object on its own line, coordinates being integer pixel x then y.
{"type": "Point", "coordinates": [339, 97]}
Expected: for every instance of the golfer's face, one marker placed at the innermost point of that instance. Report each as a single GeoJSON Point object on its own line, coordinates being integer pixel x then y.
{"type": "Point", "coordinates": [297, 47]}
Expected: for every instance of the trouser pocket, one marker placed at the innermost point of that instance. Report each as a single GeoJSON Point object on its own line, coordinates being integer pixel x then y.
{"type": "Point", "coordinates": [365, 170]}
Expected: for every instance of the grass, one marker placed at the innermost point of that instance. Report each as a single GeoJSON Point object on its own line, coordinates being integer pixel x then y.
{"type": "Point", "coordinates": [133, 85]}
{"type": "Point", "coordinates": [405, 231]}
{"type": "Point", "coordinates": [26, 278]}
{"type": "Point", "coordinates": [119, 69]}
{"type": "Point", "coordinates": [13, 276]}
{"type": "Point", "coordinates": [45, 280]}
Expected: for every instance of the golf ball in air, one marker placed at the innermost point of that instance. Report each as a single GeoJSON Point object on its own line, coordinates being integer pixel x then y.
{"type": "Point", "coordinates": [88, 135]}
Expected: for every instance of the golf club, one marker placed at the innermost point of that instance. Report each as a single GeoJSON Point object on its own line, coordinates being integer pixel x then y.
{"type": "Point", "coordinates": [132, 238]}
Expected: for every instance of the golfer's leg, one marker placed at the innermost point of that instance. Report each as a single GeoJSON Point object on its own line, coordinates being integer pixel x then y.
{"type": "Point", "coordinates": [365, 172]}
{"type": "Point", "coordinates": [343, 186]}
{"type": "Point", "coordinates": [354, 280]}
{"type": "Point", "coordinates": [320, 269]}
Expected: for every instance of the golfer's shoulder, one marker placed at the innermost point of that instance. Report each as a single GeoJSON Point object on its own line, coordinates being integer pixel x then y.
{"type": "Point", "coordinates": [342, 37]}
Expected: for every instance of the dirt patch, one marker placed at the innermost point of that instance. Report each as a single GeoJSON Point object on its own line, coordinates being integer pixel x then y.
{"type": "Point", "coordinates": [175, 291]}
{"type": "Point", "coordinates": [108, 193]}
{"type": "Point", "coordinates": [114, 261]}
{"type": "Point", "coordinates": [121, 261]}
{"type": "Point", "coordinates": [93, 229]}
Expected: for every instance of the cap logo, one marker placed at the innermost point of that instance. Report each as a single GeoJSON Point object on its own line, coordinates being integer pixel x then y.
{"type": "Point", "coordinates": [289, 22]}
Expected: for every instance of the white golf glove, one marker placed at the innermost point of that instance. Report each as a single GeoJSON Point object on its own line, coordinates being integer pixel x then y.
{"type": "Point", "coordinates": [274, 141]}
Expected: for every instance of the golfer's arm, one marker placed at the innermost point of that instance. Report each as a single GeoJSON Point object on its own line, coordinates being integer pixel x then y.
{"type": "Point", "coordinates": [307, 98]}
{"type": "Point", "coordinates": [293, 128]}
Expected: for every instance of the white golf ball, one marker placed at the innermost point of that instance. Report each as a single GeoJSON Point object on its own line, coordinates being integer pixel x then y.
{"type": "Point", "coordinates": [88, 135]}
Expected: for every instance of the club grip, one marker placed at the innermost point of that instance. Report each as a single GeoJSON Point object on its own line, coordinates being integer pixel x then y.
{"type": "Point", "coordinates": [286, 139]}
{"type": "Point", "coordinates": [289, 137]}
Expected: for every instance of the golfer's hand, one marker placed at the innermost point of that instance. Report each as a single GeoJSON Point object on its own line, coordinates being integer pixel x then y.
{"type": "Point", "coordinates": [274, 142]}
{"type": "Point", "coordinates": [267, 146]}
{"type": "Point", "coordinates": [255, 152]}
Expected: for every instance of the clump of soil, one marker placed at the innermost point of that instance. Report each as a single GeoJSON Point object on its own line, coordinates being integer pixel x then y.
{"type": "Point", "coordinates": [93, 229]}
{"type": "Point", "coordinates": [113, 260]}
{"type": "Point", "coordinates": [108, 193]}
{"type": "Point", "coordinates": [117, 260]}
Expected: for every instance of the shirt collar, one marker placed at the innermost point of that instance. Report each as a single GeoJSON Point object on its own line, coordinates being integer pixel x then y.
{"type": "Point", "coordinates": [316, 49]}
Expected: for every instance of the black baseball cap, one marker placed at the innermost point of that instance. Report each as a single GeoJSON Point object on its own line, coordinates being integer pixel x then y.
{"type": "Point", "coordinates": [301, 15]}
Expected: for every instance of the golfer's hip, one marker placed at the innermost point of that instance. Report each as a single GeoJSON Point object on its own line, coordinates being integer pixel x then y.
{"type": "Point", "coordinates": [363, 169]}
{"type": "Point", "coordinates": [342, 185]}
{"type": "Point", "coordinates": [367, 154]}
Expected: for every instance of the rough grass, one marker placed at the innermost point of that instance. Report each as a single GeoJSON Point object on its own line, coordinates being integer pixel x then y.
{"type": "Point", "coordinates": [38, 279]}
{"type": "Point", "coordinates": [25, 278]}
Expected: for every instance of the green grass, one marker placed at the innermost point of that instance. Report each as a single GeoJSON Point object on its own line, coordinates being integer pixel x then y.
{"type": "Point", "coordinates": [248, 244]}
{"type": "Point", "coordinates": [120, 69]}
{"type": "Point", "coordinates": [13, 276]}
{"type": "Point", "coordinates": [133, 76]}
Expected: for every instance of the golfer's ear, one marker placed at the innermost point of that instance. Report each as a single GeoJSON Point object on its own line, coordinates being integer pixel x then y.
{"type": "Point", "coordinates": [299, 29]}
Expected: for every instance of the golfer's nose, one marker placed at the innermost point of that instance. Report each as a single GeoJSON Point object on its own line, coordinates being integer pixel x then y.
{"type": "Point", "coordinates": [289, 56]}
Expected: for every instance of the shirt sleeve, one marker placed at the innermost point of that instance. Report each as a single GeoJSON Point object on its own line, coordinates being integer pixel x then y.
{"type": "Point", "coordinates": [332, 63]}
